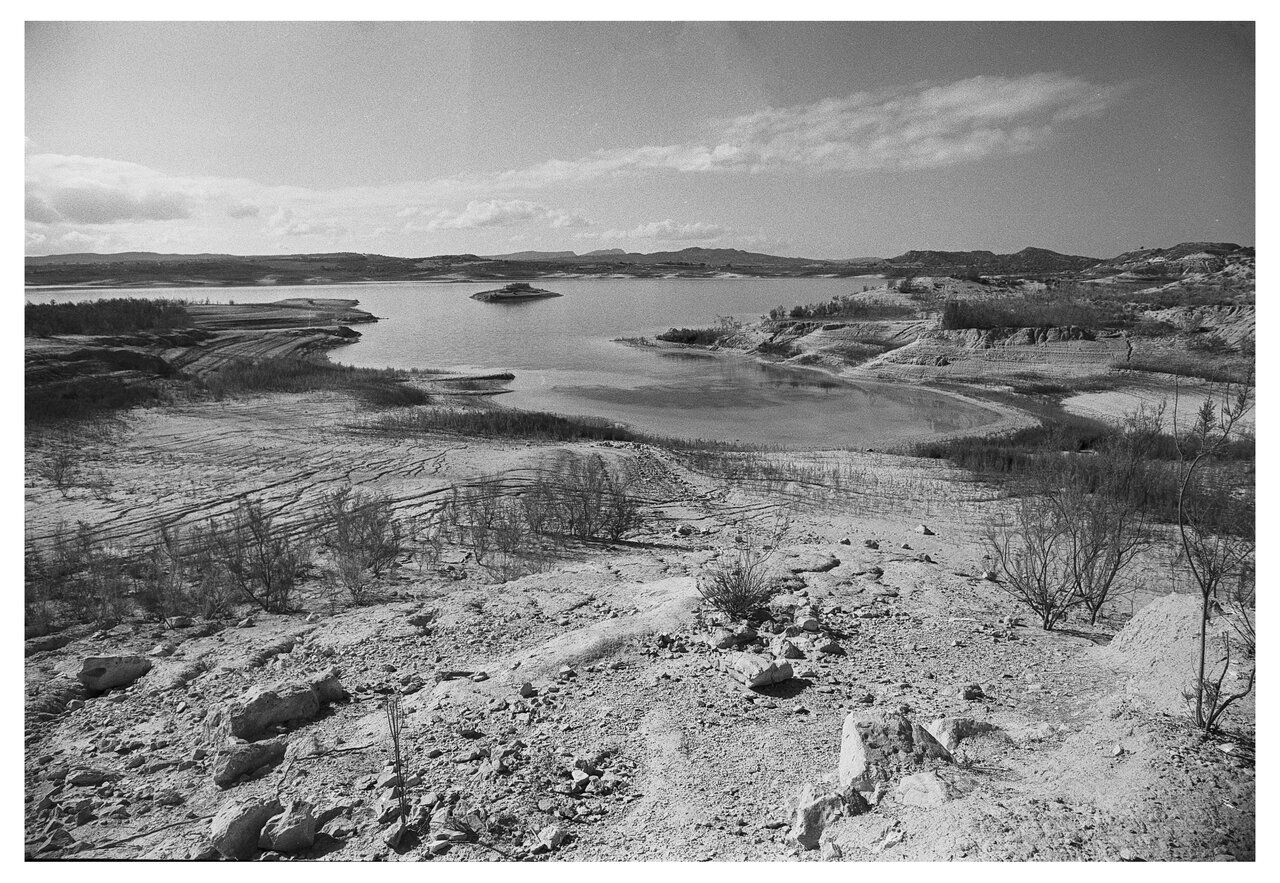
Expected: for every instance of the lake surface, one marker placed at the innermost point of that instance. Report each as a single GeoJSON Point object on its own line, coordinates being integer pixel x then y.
{"type": "Point", "coordinates": [566, 358]}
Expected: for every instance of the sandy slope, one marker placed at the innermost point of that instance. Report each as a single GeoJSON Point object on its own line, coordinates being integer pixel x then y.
{"type": "Point", "coordinates": [696, 766]}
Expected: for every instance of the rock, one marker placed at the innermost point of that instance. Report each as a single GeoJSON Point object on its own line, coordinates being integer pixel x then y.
{"type": "Point", "coordinates": [58, 840]}
{"type": "Point", "coordinates": [258, 709]}
{"type": "Point", "coordinates": [755, 670]}
{"type": "Point", "coordinates": [971, 692]}
{"type": "Point", "coordinates": [871, 544]}
{"type": "Point", "coordinates": [785, 649]}
{"type": "Point", "coordinates": [876, 746]}
{"type": "Point", "coordinates": [328, 687]}
{"type": "Point", "coordinates": [815, 809]}
{"type": "Point", "coordinates": [828, 646]}
{"type": "Point", "coordinates": [552, 836]}
{"type": "Point", "coordinates": [236, 828]}
{"type": "Point", "coordinates": [293, 830]}
{"type": "Point", "coordinates": [163, 649]}
{"type": "Point", "coordinates": [245, 623]}
{"type": "Point", "coordinates": [990, 575]}
{"type": "Point", "coordinates": [814, 563]}
{"type": "Point", "coordinates": [924, 790]}
{"type": "Point", "coordinates": [924, 530]}
{"type": "Point", "coordinates": [179, 622]}
{"type": "Point", "coordinates": [101, 673]}
{"type": "Point", "coordinates": [720, 639]}
{"type": "Point", "coordinates": [399, 836]}
{"type": "Point", "coordinates": [307, 745]}
{"type": "Point", "coordinates": [87, 776]}
{"type": "Point", "coordinates": [233, 761]}
{"type": "Point", "coordinates": [807, 620]}
{"type": "Point", "coordinates": [951, 731]}
{"type": "Point", "coordinates": [527, 691]}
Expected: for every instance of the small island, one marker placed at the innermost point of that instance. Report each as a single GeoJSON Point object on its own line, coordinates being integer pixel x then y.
{"type": "Point", "coordinates": [515, 291]}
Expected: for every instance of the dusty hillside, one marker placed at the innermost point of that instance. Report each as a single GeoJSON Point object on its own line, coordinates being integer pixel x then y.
{"type": "Point", "coordinates": [591, 711]}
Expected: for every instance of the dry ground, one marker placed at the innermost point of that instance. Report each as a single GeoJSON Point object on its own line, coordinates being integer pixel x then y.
{"type": "Point", "coordinates": [1092, 758]}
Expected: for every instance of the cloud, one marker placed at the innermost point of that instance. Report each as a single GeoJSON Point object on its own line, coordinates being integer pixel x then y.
{"type": "Point", "coordinates": [926, 126]}
{"type": "Point", "coordinates": [930, 125]}
{"type": "Point", "coordinates": [668, 231]}
{"type": "Point", "coordinates": [499, 213]}
{"type": "Point", "coordinates": [286, 222]}
{"type": "Point", "coordinates": [87, 190]}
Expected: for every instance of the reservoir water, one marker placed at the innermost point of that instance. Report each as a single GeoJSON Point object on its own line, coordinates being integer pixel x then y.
{"type": "Point", "coordinates": [566, 358]}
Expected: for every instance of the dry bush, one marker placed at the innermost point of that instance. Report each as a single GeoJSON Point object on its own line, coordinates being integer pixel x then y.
{"type": "Point", "coordinates": [256, 556]}
{"type": "Point", "coordinates": [76, 579]}
{"type": "Point", "coordinates": [1030, 555]}
{"type": "Point", "coordinates": [365, 537]}
{"type": "Point", "coordinates": [744, 583]}
{"type": "Point", "coordinates": [1216, 546]}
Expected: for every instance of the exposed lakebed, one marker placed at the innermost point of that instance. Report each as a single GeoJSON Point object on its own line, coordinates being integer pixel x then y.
{"type": "Point", "coordinates": [566, 358]}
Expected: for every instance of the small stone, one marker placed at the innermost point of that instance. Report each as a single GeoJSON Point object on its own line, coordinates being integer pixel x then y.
{"type": "Point", "coordinates": [924, 530]}
{"type": "Point", "coordinates": [971, 692]}
{"type": "Point", "coordinates": [552, 836]}
{"type": "Point", "coordinates": [925, 790]}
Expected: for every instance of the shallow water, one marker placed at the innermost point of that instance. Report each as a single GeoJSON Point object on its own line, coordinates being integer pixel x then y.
{"type": "Point", "coordinates": [566, 358]}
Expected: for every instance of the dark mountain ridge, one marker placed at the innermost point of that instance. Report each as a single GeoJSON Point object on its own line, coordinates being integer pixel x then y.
{"type": "Point", "coordinates": [152, 269]}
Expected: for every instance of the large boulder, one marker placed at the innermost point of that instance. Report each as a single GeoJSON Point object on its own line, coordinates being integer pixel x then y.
{"type": "Point", "coordinates": [876, 747]}
{"type": "Point", "coordinates": [293, 830]}
{"type": "Point", "coordinates": [257, 710]}
{"type": "Point", "coordinates": [755, 670]}
{"type": "Point", "coordinates": [236, 828]}
{"type": "Point", "coordinates": [101, 673]}
{"type": "Point", "coordinates": [236, 760]}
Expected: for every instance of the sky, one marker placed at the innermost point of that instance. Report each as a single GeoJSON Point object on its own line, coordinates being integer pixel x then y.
{"type": "Point", "coordinates": [824, 140]}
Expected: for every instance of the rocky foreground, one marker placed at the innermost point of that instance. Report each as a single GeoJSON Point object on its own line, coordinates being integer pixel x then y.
{"type": "Point", "coordinates": [893, 705]}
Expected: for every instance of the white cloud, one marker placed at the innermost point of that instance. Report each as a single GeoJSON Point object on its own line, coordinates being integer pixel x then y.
{"type": "Point", "coordinates": [286, 222]}
{"type": "Point", "coordinates": [668, 231]}
{"type": "Point", "coordinates": [499, 213]}
{"type": "Point", "coordinates": [922, 127]}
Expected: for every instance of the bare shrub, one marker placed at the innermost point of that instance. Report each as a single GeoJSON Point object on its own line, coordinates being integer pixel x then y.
{"type": "Point", "coordinates": [365, 537]}
{"type": "Point", "coordinates": [77, 578]}
{"type": "Point", "coordinates": [1216, 546]}
{"type": "Point", "coordinates": [744, 583]}
{"type": "Point", "coordinates": [163, 580]}
{"type": "Point", "coordinates": [257, 556]}
{"type": "Point", "coordinates": [1207, 701]}
{"type": "Point", "coordinates": [1030, 554]}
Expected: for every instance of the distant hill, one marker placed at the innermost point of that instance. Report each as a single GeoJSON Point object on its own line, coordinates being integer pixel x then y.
{"type": "Point", "coordinates": [150, 269]}
{"type": "Point", "coordinates": [1029, 260]}
{"type": "Point", "coordinates": [123, 257]}
{"type": "Point", "coordinates": [534, 256]}
{"type": "Point", "coordinates": [1173, 263]}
